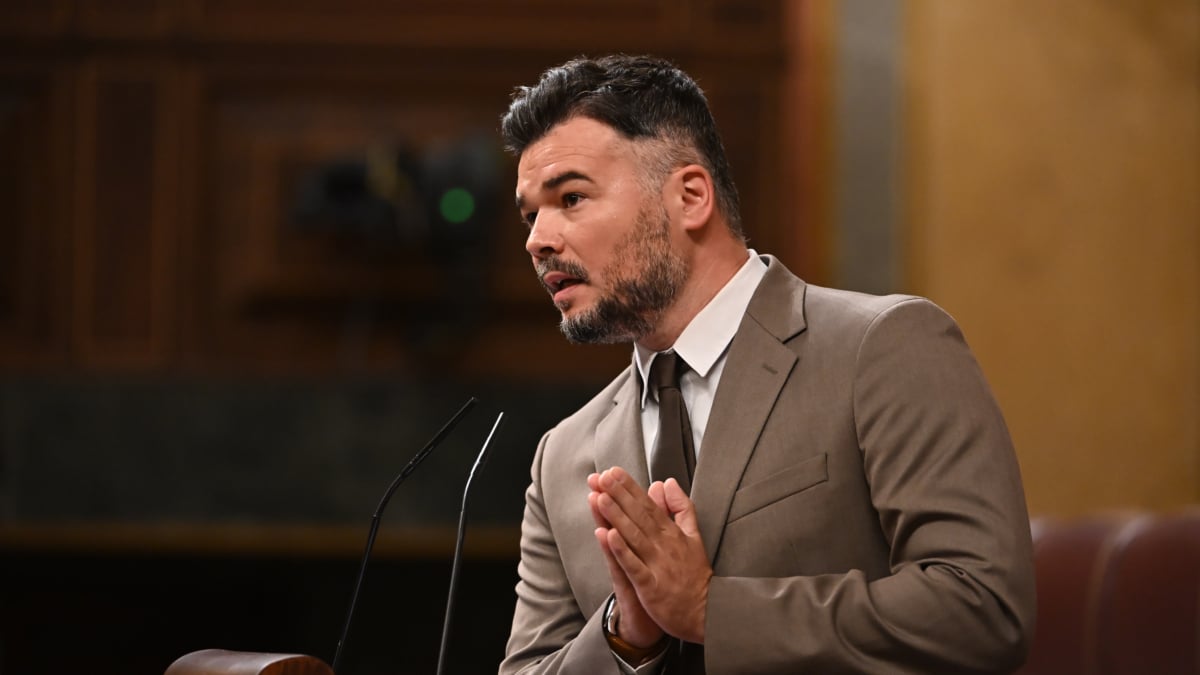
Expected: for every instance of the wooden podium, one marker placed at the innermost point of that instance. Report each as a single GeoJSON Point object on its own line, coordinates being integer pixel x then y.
{"type": "Point", "coordinates": [221, 662]}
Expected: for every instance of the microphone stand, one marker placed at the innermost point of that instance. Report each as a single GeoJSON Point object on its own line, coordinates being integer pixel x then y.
{"type": "Point", "coordinates": [462, 528]}
{"type": "Point", "coordinates": [375, 519]}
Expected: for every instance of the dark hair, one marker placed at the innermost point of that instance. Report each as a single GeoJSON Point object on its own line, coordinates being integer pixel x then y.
{"type": "Point", "coordinates": [641, 97]}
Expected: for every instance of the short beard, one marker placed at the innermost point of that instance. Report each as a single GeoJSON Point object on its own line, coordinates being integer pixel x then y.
{"type": "Point", "coordinates": [646, 277]}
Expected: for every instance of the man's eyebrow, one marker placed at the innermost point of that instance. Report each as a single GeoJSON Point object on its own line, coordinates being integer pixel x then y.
{"type": "Point", "coordinates": [563, 177]}
{"type": "Point", "coordinates": [555, 181]}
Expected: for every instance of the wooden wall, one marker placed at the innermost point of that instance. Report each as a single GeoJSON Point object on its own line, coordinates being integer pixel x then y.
{"type": "Point", "coordinates": [1051, 189]}
{"type": "Point", "coordinates": [153, 150]}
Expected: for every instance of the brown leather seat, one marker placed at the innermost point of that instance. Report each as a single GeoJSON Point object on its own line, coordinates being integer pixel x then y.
{"type": "Point", "coordinates": [1149, 620]}
{"type": "Point", "coordinates": [1070, 558]}
{"type": "Point", "coordinates": [1117, 595]}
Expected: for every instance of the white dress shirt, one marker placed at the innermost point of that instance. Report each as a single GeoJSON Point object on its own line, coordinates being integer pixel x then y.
{"type": "Point", "coordinates": [702, 344]}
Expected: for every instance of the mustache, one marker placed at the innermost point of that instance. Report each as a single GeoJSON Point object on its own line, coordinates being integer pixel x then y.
{"type": "Point", "coordinates": [557, 263]}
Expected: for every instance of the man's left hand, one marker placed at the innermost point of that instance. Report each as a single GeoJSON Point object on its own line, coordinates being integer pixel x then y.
{"type": "Point", "coordinates": [662, 555]}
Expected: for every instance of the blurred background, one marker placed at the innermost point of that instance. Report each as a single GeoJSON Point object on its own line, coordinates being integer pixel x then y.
{"type": "Point", "coordinates": [254, 253]}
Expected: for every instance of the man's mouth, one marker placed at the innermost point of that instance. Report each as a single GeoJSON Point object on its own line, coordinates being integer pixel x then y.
{"type": "Point", "coordinates": [558, 281]}
{"type": "Point", "coordinates": [559, 276]}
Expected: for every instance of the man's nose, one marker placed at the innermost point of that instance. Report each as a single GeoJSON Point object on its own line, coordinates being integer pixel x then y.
{"type": "Point", "coordinates": [545, 238]}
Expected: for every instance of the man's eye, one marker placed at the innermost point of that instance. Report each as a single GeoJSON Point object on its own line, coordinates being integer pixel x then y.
{"type": "Point", "coordinates": [571, 199]}
{"type": "Point", "coordinates": [529, 218]}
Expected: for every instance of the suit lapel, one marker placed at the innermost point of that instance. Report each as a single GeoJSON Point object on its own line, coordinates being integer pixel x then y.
{"type": "Point", "coordinates": [618, 439]}
{"type": "Point", "coordinates": [756, 368]}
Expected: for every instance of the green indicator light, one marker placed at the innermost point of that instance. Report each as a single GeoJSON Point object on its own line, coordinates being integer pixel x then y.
{"type": "Point", "coordinates": [457, 205]}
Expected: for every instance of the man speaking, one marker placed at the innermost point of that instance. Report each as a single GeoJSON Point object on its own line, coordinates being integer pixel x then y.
{"type": "Point", "coordinates": [787, 478]}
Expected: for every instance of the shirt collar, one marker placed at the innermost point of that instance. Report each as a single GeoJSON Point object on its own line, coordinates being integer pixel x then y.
{"type": "Point", "coordinates": [709, 333]}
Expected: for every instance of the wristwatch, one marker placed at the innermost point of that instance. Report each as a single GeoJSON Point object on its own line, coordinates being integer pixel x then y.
{"type": "Point", "coordinates": [634, 656]}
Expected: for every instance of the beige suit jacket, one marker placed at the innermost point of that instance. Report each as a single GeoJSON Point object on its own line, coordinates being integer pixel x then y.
{"type": "Point", "coordinates": [856, 491]}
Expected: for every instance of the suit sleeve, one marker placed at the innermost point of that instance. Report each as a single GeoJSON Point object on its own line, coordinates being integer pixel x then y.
{"type": "Point", "coordinates": [944, 481]}
{"type": "Point", "coordinates": [549, 632]}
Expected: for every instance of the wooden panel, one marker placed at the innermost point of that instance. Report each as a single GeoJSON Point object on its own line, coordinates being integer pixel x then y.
{"type": "Point", "coordinates": [270, 135]}
{"type": "Point", "coordinates": [745, 107]}
{"type": "Point", "coordinates": [1052, 160]}
{"type": "Point", "coordinates": [459, 24]}
{"type": "Point", "coordinates": [581, 26]}
{"type": "Point", "coordinates": [124, 232]}
{"type": "Point", "coordinates": [746, 27]}
{"type": "Point", "coordinates": [126, 19]}
{"type": "Point", "coordinates": [277, 296]}
{"type": "Point", "coordinates": [34, 18]}
{"type": "Point", "coordinates": [744, 23]}
{"type": "Point", "coordinates": [807, 132]}
{"type": "Point", "coordinates": [199, 122]}
{"type": "Point", "coordinates": [34, 276]}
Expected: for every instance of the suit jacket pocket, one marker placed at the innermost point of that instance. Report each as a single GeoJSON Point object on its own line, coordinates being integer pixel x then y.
{"type": "Point", "coordinates": [789, 481]}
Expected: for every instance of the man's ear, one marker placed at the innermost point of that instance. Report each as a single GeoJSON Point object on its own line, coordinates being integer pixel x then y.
{"type": "Point", "coordinates": [692, 196]}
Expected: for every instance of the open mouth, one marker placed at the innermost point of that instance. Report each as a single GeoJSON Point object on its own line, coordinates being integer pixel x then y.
{"type": "Point", "coordinates": [558, 281]}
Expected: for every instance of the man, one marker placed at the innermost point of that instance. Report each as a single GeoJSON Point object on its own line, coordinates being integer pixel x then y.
{"type": "Point", "coordinates": [837, 492]}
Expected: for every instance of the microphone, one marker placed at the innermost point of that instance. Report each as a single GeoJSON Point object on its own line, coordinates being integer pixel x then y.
{"type": "Point", "coordinates": [462, 528]}
{"type": "Point", "coordinates": [375, 519]}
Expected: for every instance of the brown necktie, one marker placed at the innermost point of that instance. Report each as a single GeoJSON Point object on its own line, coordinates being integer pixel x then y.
{"type": "Point", "coordinates": [674, 455]}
